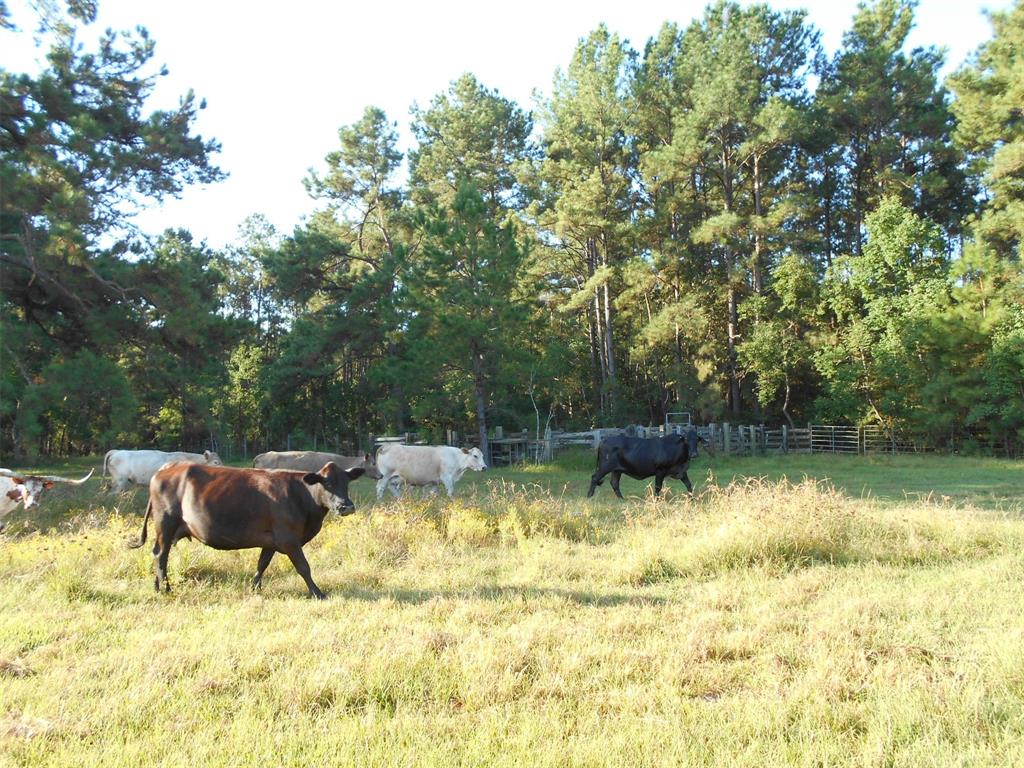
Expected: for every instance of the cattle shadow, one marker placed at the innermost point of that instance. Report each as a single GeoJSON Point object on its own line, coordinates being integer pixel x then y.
{"type": "Point", "coordinates": [288, 586]}
{"type": "Point", "coordinates": [495, 593]}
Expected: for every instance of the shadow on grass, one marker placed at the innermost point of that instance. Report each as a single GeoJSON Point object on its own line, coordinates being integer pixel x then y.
{"type": "Point", "coordinates": [288, 586]}
{"type": "Point", "coordinates": [497, 593]}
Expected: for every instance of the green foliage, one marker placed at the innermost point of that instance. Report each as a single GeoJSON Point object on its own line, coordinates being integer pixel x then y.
{"type": "Point", "coordinates": [78, 154]}
{"type": "Point", "coordinates": [80, 404]}
{"type": "Point", "coordinates": [465, 316]}
{"type": "Point", "coordinates": [989, 92]}
{"type": "Point", "coordinates": [469, 134]}
{"type": "Point", "coordinates": [725, 222]}
{"type": "Point", "coordinates": [890, 129]}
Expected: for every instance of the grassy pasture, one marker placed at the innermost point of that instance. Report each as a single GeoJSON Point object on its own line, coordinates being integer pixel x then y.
{"type": "Point", "coordinates": [777, 618]}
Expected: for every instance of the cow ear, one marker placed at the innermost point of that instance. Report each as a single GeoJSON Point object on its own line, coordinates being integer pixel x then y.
{"type": "Point", "coordinates": [14, 495]}
{"type": "Point", "coordinates": [313, 478]}
{"type": "Point", "coordinates": [367, 457]}
{"type": "Point", "coordinates": [355, 472]}
{"type": "Point", "coordinates": [47, 483]}
{"type": "Point", "coordinates": [465, 450]}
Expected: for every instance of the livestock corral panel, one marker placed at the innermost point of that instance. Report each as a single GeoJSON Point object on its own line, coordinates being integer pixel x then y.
{"type": "Point", "coordinates": [827, 438]}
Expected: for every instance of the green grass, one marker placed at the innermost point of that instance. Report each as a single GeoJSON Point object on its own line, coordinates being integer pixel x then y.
{"type": "Point", "coordinates": [876, 618]}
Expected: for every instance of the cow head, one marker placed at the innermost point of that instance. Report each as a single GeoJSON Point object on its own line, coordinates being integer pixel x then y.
{"type": "Point", "coordinates": [369, 466]}
{"type": "Point", "coordinates": [330, 487]}
{"type": "Point", "coordinates": [692, 438]}
{"type": "Point", "coordinates": [20, 490]}
{"type": "Point", "coordinates": [473, 458]}
{"type": "Point", "coordinates": [26, 489]}
{"type": "Point", "coordinates": [212, 459]}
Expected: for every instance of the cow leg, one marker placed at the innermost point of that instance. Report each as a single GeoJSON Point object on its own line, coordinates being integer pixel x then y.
{"type": "Point", "coordinates": [686, 481]}
{"type": "Point", "coordinates": [266, 554]}
{"type": "Point", "coordinates": [381, 485]}
{"type": "Point", "coordinates": [166, 535]}
{"type": "Point", "coordinates": [659, 480]}
{"type": "Point", "coordinates": [595, 480]}
{"type": "Point", "coordinates": [302, 566]}
{"type": "Point", "coordinates": [616, 476]}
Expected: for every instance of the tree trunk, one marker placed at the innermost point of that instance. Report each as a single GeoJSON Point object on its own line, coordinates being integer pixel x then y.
{"type": "Point", "coordinates": [785, 405]}
{"type": "Point", "coordinates": [733, 333]}
{"type": "Point", "coordinates": [731, 301]}
{"type": "Point", "coordinates": [758, 278]}
{"type": "Point", "coordinates": [480, 395]}
{"type": "Point", "coordinates": [599, 349]}
{"type": "Point", "coordinates": [595, 363]}
{"type": "Point", "coordinates": [609, 349]}
{"type": "Point", "coordinates": [828, 217]}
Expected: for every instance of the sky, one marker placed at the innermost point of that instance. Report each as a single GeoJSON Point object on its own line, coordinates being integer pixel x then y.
{"type": "Point", "coordinates": [280, 79]}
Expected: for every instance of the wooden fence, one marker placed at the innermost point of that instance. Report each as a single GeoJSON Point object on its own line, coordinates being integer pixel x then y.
{"type": "Point", "coordinates": [751, 439]}
{"type": "Point", "coordinates": [725, 438]}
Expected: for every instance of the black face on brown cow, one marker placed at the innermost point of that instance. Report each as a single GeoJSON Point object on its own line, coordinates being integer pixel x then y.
{"type": "Point", "coordinates": [331, 487]}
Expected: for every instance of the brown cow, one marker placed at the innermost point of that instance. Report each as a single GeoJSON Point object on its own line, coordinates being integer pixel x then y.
{"type": "Point", "coordinates": [225, 508]}
{"type": "Point", "coordinates": [311, 461]}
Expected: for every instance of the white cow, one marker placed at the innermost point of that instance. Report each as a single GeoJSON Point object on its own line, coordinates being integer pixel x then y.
{"type": "Point", "coordinates": [127, 467]}
{"type": "Point", "coordinates": [20, 488]}
{"type": "Point", "coordinates": [424, 465]}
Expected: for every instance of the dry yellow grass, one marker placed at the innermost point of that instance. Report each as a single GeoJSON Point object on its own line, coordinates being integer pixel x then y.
{"type": "Point", "coordinates": [763, 623]}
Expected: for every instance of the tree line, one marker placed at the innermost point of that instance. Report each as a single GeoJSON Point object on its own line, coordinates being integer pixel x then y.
{"type": "Point", "coordinates": [727, 221]}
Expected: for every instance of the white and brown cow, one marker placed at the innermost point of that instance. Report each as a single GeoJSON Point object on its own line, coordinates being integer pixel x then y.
{"type": "Point", "coordinates": [23, 488]}
{"type": "Point", "coordinates": [425, 465]}
{"type": "Point", "coordinates": [138, 467]}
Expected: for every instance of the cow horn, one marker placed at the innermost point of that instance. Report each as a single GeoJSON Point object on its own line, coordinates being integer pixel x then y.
{"type": "Point", "coordinates": [55, 479]}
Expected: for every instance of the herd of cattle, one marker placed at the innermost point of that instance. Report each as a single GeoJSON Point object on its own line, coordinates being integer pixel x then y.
{"type": "Point", "coordinates": [280, 504]}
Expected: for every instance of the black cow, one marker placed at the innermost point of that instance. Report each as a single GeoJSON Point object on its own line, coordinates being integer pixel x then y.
{"type": "Point", "coordinates": [225, 508]}
{"type": "Point", "coordinates": [642, 457]}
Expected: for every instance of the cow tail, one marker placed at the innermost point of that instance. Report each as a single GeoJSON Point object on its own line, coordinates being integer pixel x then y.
{"type": "Point", "coordinates": [145, 526]}
{"type": "Point", "coordinates": [105, 460]}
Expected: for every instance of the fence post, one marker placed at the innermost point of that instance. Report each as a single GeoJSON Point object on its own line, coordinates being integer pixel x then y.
{"type": "Point", "coordinates": [725, 438]}
{"type": "Point", "coordinates": [597, 438]}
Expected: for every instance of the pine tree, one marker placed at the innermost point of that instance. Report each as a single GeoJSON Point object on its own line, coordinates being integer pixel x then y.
{"type": "Point", "coordinates": [989, 112]}
{"type": "Point", "coordinates": [466, 319]}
